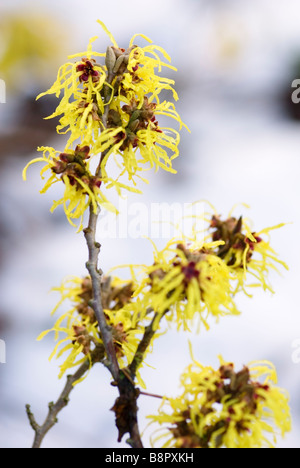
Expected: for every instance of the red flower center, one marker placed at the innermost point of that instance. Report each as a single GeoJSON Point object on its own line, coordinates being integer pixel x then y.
{"type": "Point", "coordinates": [190, 271]}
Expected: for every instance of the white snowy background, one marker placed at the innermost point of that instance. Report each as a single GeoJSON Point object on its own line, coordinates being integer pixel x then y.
{"type": "Point", "coordinates": [235, 62]}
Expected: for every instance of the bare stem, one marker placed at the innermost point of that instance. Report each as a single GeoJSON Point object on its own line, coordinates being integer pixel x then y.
{"type": "Point", "coordinates": [125, 407]}
{"type": "Point", "coordinates": [95, 274]}
{"type": "Point", "coordinates": [126, 411]}
{"type": "Point", "coordinates": [144, 344]}
{"type": "Point", "coordinates": [54, 408]}
{"type": "Point", "coordinates": [153, 395]}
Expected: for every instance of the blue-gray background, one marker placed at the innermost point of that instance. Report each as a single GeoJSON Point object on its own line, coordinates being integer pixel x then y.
{"type": "Point", "coordinates": [236, 62]}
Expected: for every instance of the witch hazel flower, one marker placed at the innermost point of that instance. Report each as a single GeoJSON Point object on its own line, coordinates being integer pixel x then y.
{"type": "Point", "coordinates": [76, 331]}
{"type": "Point", "coordinates": [81, 188]}
{"type": "Point", "coordinates": [81, 106]}
{"type": "Point", "coordinates": [187, 284]}
{"type": "Point", "coordinates": [225, 408]}
{"type": "Point", "coordinates": [136, 105]}
{"type": "Point", "coordinates": [113, 108]}
{"type": "Point", "coordinates": [245, 252]}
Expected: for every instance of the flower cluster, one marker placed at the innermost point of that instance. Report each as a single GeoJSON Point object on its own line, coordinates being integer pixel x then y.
{"type": "Point", "coordinates": [191, 280]}
{"type": "Point", "coordinates": [187, 283]}
{"type": "Point", "coordinates": [225, 408]}
{"type": "Point", "coordinates": [112, 108]}
{"type": "Point", "coordinates": [82, 189]}
{"type": "Point", "coordinates": [79, 324]}
{"type": "Point", "coordinates": [245, 251]}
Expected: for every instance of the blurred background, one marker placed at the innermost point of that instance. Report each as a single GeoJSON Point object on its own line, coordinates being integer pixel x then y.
{"type": "Point", "coordinates": [236, 62]}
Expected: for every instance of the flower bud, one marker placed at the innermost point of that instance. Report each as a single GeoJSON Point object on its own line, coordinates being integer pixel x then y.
{"type": "Point", "coordinates": [66, 157]}
{"type": "Point", "coordinates": [82, 152]}
{"type": "Point", "coordinates": [110, 59]}
{"type": "Point", "coordinates": [59, 167]}
{"type": "Point", "coordinates": [134, 125]}
{"type": "Point", "coordinates": [118, 63]}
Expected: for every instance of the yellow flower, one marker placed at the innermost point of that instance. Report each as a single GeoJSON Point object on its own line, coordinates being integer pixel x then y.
{"type": "Point", "coordinates": [187, 284]}
{"type": "Point", "coordinates": [245, 252]}
{"type": "Point", "coordinates": [134, 108]}
{"type": "Point", "coordinates": [135, 137]}
{"type": "Point", "coordinates": [81, 105]}
{"type": "Point", "coordinates": [225, 408]}
{"type": "Point", "coordinates": [113, 107]}
{"type": "Point", "coordinates": [140, 77]}
{"type": "Point", "coordinates": [79, 325]}
{"type": "Point", "coordinates": [81, 187]}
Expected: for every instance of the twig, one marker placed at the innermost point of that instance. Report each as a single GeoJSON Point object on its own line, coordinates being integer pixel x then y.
{"type": "Point", "coordinates": [95, 274]}
{"type": "Point", "coordinates": [125, 407]}
{"type": "Point", "coordinates": [126, 410]}
{"type": "Point", "coordinates": [144, 344]}
{"type": "Point", "coordinates": [63, 400]}
{"type": "Point", "coordinates": [153, 395]}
